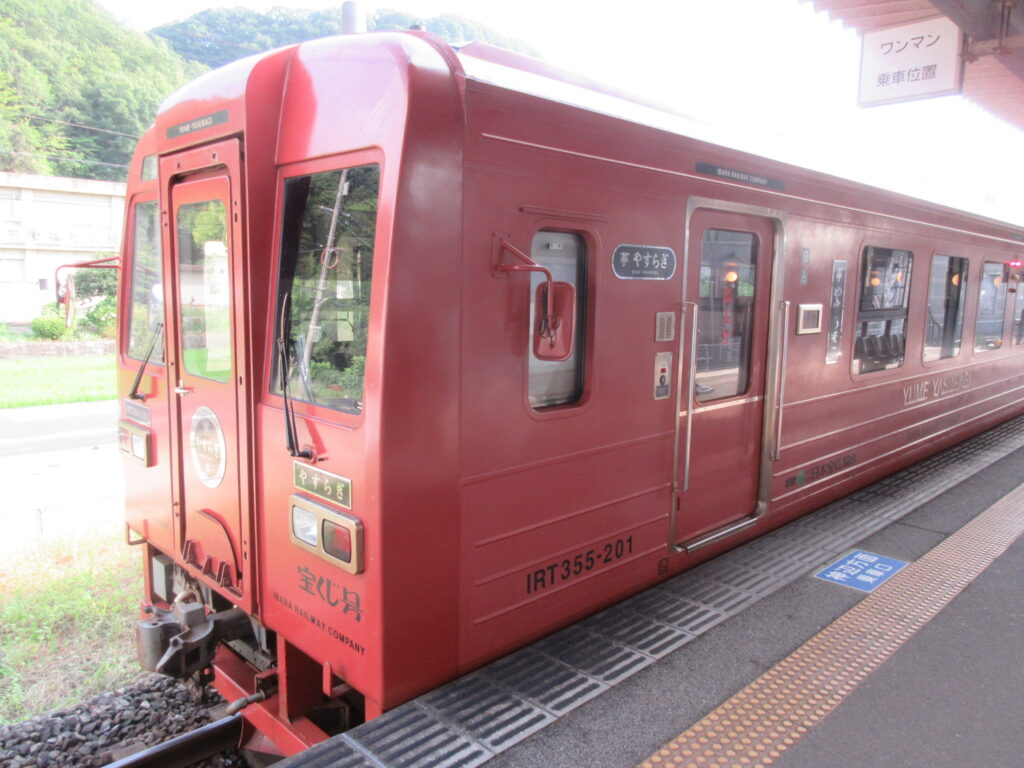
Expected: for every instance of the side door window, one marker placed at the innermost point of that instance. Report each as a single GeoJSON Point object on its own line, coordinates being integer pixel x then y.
{"type": "Point", "coordinates": [944, 321]}
{"type": "Point", "coordinates": [725, 317]}
{"type": "Point", "coordinates": [988, 329]}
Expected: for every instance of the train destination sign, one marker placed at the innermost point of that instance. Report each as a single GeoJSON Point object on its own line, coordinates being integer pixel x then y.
{"type": "Point", "coordinates": [862, 570]}
{"type": "Point", "coordinates": [207, 121]}
{"type": "Point", "coordinates": [643, 262]}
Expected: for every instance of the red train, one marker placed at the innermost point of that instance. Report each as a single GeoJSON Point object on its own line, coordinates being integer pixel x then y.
{"type": "Point", "coordinates": [426, 353]}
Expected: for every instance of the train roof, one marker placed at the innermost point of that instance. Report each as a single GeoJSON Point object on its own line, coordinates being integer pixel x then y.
{"type": "Point", "coordinates": [496, 67]}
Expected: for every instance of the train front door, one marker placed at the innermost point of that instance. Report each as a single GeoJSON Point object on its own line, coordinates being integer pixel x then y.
{"type": "Point", "coordinates": [207, 366]}
{"type": "Point", "coordinates": [722, 393]}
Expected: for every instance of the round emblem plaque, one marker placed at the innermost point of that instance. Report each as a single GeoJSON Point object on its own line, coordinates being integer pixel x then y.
{"type": "Point", "coordinates": [208, 447]}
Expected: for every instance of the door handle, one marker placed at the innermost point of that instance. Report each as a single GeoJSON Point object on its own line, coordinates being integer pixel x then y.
{"type": "Point", "coordinates": [181, 389]}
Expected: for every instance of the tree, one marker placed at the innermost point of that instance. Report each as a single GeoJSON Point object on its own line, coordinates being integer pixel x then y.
{"type": "Point", "coordinates": [76, 88]}
{"type": "Point", "coordinates": [221, 35]}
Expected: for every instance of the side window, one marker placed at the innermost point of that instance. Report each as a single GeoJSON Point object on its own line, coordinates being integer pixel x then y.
{"type": "Point", "coordinates": [327, 244]}
{"type": "Point", "coordinates": [988, 331]}
{"type": "Point", "coordinates": [725, 320]}
{"type": "Point", "coordinates": [1018, 316]}
{"type": "Point", "coordinates": [559, 382]}
{"type": "Point", "coordinates": [146, 309]}
{"type": "Point", "coordinates": [944, 322]}
{"type": "Point", "coordinates": [881, 338]}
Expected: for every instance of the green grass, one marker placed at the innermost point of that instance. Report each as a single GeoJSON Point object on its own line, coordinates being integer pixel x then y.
{"type": "Point", "coordinates": [67, 619]}
{"type": "Point", "coordinates": [48, 380]}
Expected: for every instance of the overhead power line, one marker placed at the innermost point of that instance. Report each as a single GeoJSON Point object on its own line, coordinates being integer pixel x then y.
{"type": "Point", "coordinates": [61, 157]}
{"type": "Point", "coordinates": [86, 127]}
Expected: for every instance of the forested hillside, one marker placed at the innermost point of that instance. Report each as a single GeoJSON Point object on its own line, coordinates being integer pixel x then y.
{"type": "Point", "coordinates": [220, 35]}
{"type": "Point", "coordinates": [77, 88]}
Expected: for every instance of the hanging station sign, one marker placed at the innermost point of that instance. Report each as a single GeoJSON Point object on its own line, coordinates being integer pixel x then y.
{"type": "Point", "coordinates": [911, 61]}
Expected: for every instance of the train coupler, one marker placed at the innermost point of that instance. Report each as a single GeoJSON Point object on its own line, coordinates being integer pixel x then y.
{"type": "Point", "coordinates": [183, 640]}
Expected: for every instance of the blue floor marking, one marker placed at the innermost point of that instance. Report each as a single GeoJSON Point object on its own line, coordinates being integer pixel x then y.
{"type": "Point", "coordinates": [862, 570]}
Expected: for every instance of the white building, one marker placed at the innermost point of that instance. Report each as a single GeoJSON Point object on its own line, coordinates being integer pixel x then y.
{"type": "Point", "coordinates": [46, 221]}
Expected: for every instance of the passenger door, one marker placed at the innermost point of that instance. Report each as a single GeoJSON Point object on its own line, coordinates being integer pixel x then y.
{"type": "Point", "coordinates": [209, 404]}
{"type": "Point", "coordinates": [722, 392]}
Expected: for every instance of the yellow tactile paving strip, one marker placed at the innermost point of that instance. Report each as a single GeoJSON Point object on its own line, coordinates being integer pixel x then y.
{"type": "Point", "coordinates": [762, 721]}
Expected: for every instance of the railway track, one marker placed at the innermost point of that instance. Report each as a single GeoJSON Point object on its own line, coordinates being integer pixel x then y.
{"type": "Point", "coordinates": [112, 727]}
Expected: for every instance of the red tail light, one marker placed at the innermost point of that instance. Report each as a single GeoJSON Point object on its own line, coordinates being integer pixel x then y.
{"type": "Point", "coordinates": [337, 541]}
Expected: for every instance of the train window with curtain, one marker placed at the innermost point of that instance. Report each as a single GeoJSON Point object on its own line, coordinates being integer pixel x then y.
{"type": "Point", "coordinates": [725, 320]}
{"type": "Point", "coordinates": [146, 306]}
{"type": "Point", "coordinates": [881, 334]}
{"type": "Point", "coordinates": [559, 382]}
{"type": "Point", "coordinates": [944, 321]}
{"type": "Point", "coordinates": [327, 245]}
{"type": "Point", "coordinates": [988, 329]}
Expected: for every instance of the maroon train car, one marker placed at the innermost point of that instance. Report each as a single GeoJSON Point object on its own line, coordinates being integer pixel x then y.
{"type": "Point", "coordinates": [426, 353]}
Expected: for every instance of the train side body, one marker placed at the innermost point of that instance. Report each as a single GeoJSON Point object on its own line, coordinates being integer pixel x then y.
{"type": "Point", "coordinates": [491, 497]}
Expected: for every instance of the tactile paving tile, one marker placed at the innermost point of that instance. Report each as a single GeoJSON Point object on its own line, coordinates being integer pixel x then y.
{"type": "Point", "coordinates": [677, 612]}
{"type": "Point", "coordinates": [454, 727]}
{"type": "Point", "coordinates": [633, 630]}
{"type": "Point", "coordinates": [336, 753]}
{"type": "Point", "coordinates": [536, 677]}
{"type": "Point", "coordinates": [411, 737]}
{"type": "Point", "coordinates": [721, 597]}
{"type": "Point", "coordinates": [483, 708]}
{"type": "Point", "coordinates": [596, 655]}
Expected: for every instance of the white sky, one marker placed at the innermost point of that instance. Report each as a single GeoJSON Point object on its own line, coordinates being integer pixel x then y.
{"type": "Point", "coordinates": [775, 71]}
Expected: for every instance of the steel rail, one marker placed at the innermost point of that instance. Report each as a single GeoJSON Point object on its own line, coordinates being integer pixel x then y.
{"type": "Point", "coordinates": [188, 748]}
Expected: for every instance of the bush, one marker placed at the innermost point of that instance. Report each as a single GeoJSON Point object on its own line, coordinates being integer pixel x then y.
{"type": "Point", "coordinates": [49, 327]}
{"type": "Point", "coordinates": [103, 318]}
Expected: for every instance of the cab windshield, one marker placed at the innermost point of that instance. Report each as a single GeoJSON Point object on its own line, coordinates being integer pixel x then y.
{"type": "Point", "coordinates": [324, 285]}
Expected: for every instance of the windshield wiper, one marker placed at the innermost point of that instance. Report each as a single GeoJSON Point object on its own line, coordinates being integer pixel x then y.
{"type": "Point", "coordinates": [291, 438]}
{"type": "Point", "coordinates": [134, 394]}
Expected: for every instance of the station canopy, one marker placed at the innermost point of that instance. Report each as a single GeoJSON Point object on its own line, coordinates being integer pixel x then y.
{"type": "Point", "coordinates": [994, 61]}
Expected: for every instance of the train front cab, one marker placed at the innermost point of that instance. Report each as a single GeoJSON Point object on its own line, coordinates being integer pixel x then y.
{"type": "Point", "coordinates": [258, 278]}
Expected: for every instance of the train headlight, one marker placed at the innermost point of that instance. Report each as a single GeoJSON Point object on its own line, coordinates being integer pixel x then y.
{"type": "Point", "coordinates": [327, 532]}
{"type": "Point", "coordinates": [304, 525]}
{"type": "Point", "coordinates": [135, 441]}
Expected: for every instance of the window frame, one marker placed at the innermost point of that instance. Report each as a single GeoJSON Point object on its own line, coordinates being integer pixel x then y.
{"type": "Point", "coordinates": [1017, 314]}
{"type": "Point", "coordinates": [128, 284]}
{"type": "Point", "coordinates": [581, 332]}
{"type": "Point", "coordinates": [881, 314]}
{"type": "Point", "coordinates": [382, 244]}
{"type": "Point", "coordinates": [226, 311]}
{"type": "Point", "coordinates": [1004, 288]}
{"type": "Point", "coordinates": [962, 312]}
{"type": "Point", "coordinates": [747, 340]}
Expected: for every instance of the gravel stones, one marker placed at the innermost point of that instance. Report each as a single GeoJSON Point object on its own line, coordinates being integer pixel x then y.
{"type": "Point", "coordinates": [111, 726]}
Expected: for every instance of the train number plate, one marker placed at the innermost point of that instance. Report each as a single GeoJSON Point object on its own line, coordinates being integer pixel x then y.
{"type": "Point", "coordinates": [578, 565]}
